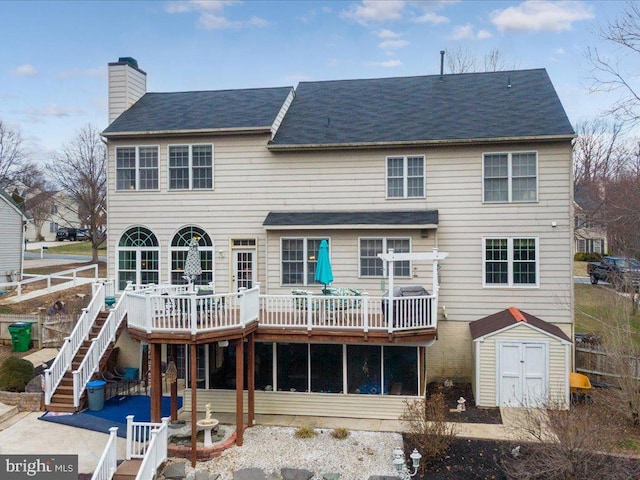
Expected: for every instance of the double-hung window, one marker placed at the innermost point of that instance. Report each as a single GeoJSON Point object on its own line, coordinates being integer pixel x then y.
{"type": "Point", "coordinates": [405, 177]}
{"type": "Point", "coordinates": [299, 259]}
{"type": "Point", "coordinates": [372, 266]}
{"type": "Point", "coordinates": [190, 167]}
{"type": "Point", "coordinates": [136, 168]}
{"type": "Point", "coordinates": [510, 177]}
{"type": "Point", "coordinates": [511, 262]}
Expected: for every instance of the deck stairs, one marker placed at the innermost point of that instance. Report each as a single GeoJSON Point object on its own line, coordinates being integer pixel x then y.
{"type": "Point", "coordinates": [62, 399]}
{"type": "Point", "coordinates": [128, 470]}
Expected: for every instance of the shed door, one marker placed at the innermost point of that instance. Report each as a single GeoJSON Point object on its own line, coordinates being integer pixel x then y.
{"type": "Point", "coordinates": [522, 375]}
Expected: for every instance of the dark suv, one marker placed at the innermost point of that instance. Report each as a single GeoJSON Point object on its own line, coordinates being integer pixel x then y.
{"type": "Point", "coordinates": [70, 234]}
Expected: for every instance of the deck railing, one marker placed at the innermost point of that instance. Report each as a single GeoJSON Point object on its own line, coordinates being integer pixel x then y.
{"type": "Point", "coordinates": [98, 347]}
{"type": "Point", "coordinates": [53, 375]}
{"type": "Point", "coordinates": [108, 462]}
{"type": "Point", "coordinates": [147, 441]}
{"type": "Point", "coordinates": [191, 312]}
{"type": "Point", "coordinates": [347, 312]}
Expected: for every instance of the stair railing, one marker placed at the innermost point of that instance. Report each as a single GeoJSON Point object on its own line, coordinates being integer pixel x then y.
{"type": "Point", "coordinates": [149, 442]}
{"type": "Point", "coordinates": [108, 463]}
{"type": "Point", "coordinates": [53, 375]}
{"type": "Point", "coordinates": [91, 361]}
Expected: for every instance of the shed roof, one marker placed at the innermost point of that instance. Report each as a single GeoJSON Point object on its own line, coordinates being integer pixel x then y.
{"type": "Point", "coordinates": [512, 316]}
{"type": "Point", "coordinates": [402, 218]}
{"type": "Point", "coordinates": [201, 111]}
{"type": "Point", "coordinates": [471, 106]}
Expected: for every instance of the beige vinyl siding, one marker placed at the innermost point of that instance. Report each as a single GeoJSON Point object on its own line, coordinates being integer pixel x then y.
{"type": "Point", "coordinates": [386, 407]}
{"type": "Point", "coordinates": [126, 86]}
{"type": "Point", "coordinates": [488, 358]}
{"type": "Point", "coordinates": [11, 240]}
{"type": "Point", "coordinates": [282, 113]}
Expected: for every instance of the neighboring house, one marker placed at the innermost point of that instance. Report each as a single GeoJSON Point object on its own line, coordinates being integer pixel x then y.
{"type": "Point", "coordinates": [12, 221]}
{"type": "Point", "coordinates": [589, 231]}
{"type": "Point", "coordinates": [477, 166]}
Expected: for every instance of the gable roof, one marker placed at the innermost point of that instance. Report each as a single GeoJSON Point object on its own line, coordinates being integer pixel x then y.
{"type": "Point", "coordinates": [4, 196]}
{"type": "Point", "coordinates": [201, 111]}
{"type": "Point", "coordinates": [509, 317]}
{"type": "Point", "coordinates": [407, 110]}
{"type": "Point", "coordinates": [351, 219]}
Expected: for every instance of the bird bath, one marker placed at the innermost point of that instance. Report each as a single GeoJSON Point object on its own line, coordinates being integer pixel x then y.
{"type": "Point", "coordinates": [208, 424]}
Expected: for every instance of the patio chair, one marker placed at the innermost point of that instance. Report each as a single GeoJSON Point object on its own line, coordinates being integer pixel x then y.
{"type": "Point", "coordinates": [115, 385]}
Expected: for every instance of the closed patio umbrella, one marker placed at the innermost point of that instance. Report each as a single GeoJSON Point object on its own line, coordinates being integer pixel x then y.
{"type": "Point", "coordinates": [323, 265]}
{"type": "Point", "coordinates": [192, 265]}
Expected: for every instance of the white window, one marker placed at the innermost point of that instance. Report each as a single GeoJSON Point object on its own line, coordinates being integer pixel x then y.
{"type": "Point", "coordinates": [510, 262]}
{"type": "Point", "coordinates": [179, 249]}
{"type": "Point", "coordinates": [405, 177]}
{"type": "Point", "coordinates": [136, 168]}
{"type": "Point", "coordinates": [372, 266]}
{"type": "Point", "coordinates": [299, 258]}
{"type": "Point", "coordinates": [190, 167]}
{"type": "Point", "coordinates": [138, 257]}
{"type": "Point", "coordinates": [510, 177]}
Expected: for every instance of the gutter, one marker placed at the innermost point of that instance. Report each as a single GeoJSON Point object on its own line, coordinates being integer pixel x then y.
{"type": "Point", "coordinates": [204, 131]}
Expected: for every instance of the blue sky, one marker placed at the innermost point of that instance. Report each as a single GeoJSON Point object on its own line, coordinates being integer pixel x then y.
{"type": "Point", "coordinates": [53, 63]}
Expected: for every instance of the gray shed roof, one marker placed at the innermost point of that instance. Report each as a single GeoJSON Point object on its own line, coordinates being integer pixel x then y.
{"type": "Point", "coordinates": [512, 316]}
{"type": "Point", "coordinates": [208, 110]}
{"type": "Point", "coordinates": [452, 107]}
{"type": "Point", "coordinates": [337, 219]}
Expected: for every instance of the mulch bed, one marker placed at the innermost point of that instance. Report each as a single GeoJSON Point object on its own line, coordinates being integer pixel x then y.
{"type": "Point", "coordinates": [472, 414]}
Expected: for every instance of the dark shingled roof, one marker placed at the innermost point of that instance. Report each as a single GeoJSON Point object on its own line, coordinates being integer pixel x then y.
{"type": "Point", "coordinates": [490, 105]}
{"type": "Point", "coordinates": [505, 318]}
{"type": "Point", "coordinates": [393, 217]}
{"type": "Point", "coordinates": [211, 110]}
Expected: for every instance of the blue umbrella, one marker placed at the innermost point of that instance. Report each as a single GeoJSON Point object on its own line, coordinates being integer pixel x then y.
{"type": "Point", "coordinates": [323, 266]}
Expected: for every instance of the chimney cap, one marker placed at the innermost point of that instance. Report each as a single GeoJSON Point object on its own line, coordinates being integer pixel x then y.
{"type": "Point", "coordinates": [130, 60]}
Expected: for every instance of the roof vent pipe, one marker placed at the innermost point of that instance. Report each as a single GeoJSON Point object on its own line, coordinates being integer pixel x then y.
{"type": "Point", "coordinates": [441, 62]}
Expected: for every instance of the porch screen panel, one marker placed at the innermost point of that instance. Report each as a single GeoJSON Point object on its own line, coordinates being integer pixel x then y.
{"type": "Point", "coordinates": [364, 369]}
{"type": "Point", "coordinates": [400, 370]}
{"type": "Point", "coordinates": [293, 373]}
{"type": "Point", "coordinates": [264, 366]}
{"type": "Point", "coordinates": [326, 368]}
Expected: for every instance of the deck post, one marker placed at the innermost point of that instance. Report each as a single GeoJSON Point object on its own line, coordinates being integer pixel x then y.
{"type": "Point", "coordinates": [251, 379]}
{"type": "Point", "coordinates": [156, 382]}
{"type": "Point", "coordinates": [433, 317]}
{"type": "Point", "coordinates": [194, 405]}
{"type": "Point", "coordinates": [390, 309]}
{"type": "Point", "coordinates": [239, 391]}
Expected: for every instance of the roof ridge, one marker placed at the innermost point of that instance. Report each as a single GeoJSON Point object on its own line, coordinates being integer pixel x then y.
{"type": "Point", "coordinates": [219, 91]}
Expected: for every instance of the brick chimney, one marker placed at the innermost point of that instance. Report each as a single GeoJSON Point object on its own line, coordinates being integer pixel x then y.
{"type": "Point", "coordinates": [127, 84]}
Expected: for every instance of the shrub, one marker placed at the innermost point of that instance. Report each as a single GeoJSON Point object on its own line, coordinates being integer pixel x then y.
{"type": "Point", "coordinates": [340, 433]}
{"type": "Point", "coordinates": [587, 257]}
{"type": "Point", "coordinates": [306, 432]}
{"type": "Point", "coordinates": [15, 373]}
{"type": "Point", "coordinates": [427, 429]}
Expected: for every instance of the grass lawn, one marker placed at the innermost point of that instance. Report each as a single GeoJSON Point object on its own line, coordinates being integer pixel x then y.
{"type": "Point", "coordinates": [580, 269]}
{"type": "Point", "coordinates": [73, 248]}
{"type": "Point", "coordinates": [591, 304]}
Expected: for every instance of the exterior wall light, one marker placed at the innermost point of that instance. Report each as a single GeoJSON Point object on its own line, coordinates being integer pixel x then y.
{"type": "Point", "coordinates": [400, 463]}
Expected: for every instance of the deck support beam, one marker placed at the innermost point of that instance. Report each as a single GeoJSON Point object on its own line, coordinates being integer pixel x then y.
{"type": "Point", "coordinates": [239, 391]}
{"type": "Point", "coordinates": [156, 382]}
{"type": "Point", "coordinates": [251, 379]}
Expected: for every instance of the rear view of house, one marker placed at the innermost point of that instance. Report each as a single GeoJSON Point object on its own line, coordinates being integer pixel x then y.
{"type": "Point", "coordinates": [456, 188]}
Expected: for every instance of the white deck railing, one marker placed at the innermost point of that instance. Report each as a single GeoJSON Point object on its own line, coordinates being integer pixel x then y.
{"type": "Point", "coordinates": [147, 441]}
{"type": "Point", "coordinates": [70, 275]}
{"type": "Point", "coordinates": [191, 312]}
{"type": "Point", "coordinates": [108, 463]}
{"type": "Point", "coordinates": [53, 375]}
{"type": "Point", "coordinates": [99, 345]}
{"type": "Point", "coordinates": [347, 312]}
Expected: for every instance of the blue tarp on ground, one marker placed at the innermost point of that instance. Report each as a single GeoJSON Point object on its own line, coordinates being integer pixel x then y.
{"type": "Point", "coordinates": [114, 414]}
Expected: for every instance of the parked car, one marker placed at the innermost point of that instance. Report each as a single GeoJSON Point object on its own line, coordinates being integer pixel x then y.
{"type": "Point", "coordinates": [621, 272]}
{"type": "Point", "coordinates": [70, 234]}
{"type": "Point", "coordinates": [83, 234]}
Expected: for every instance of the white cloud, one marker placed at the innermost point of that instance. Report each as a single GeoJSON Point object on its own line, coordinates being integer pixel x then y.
{"type": "Point", "coordinates": [559, 51]}
{"type": "Point", "coordinates": [211, 14]}
{"type": "Point", "coordinates": [54, 110]}
{"type": "Point", "coordinates": [25, 70]}
{"type": "Point", "coordinates": [541, 15]}
{"type": "Point", "coordinates": [432, 18]}
{"type": "Point", "coordinates": [467, 32]}
{"type": "Point", "coordinates": [375, 11]}
{"type": "Point", "coordinates": [387, 34]}
{"type": "Point", "coordinates": [393, 44]}
{"type": "Point", "coordinates": [83, 72]}
{"type": "Point", "coordinates": [387, 64]}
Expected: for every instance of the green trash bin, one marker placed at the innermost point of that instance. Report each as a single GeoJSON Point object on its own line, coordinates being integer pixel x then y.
{"type": "Point", "coordinates": [20, 336]}
{"type": "Point", "coordinates": [95, 394]}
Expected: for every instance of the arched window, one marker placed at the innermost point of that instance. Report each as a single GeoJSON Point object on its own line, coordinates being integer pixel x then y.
{"type": "Point", "coordinates": [179, 249]}
{"type": "Point", "coordinates": [138, 257]}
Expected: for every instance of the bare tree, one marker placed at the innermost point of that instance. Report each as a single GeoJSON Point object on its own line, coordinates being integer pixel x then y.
{"type": "Point", "coordinates": [12, 153]}
{"type": "Point", "coordinates": [462, 60]}
{"type": "Point", "coordinates": [39, 206]}
{"type": "Point", "coordinates": [618, 72]}
{"type": "Point", "coordinates": [80, 171]}
{"type": "Point", "coordinates": [598, 152]}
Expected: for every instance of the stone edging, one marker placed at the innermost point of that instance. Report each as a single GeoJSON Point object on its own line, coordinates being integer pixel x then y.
{"type": "Point", "coordinates": [26, 402]}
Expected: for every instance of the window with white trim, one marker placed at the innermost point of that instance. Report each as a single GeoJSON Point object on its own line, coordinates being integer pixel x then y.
{"type": "Point", "coordinates": [405, 177]}
{"type": "Point", "coordinates": [190, 167]}
{"type": "Point", "coordinates": [510, 261]}
{"type": "Point", "coordinates": [372, 266]}
{"type": "Point", "coordinates": [510, 177]}
{"type": "Point", "coordinates": [136, 168]}
{"type": "Point", "coordinates": [299, 258]}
